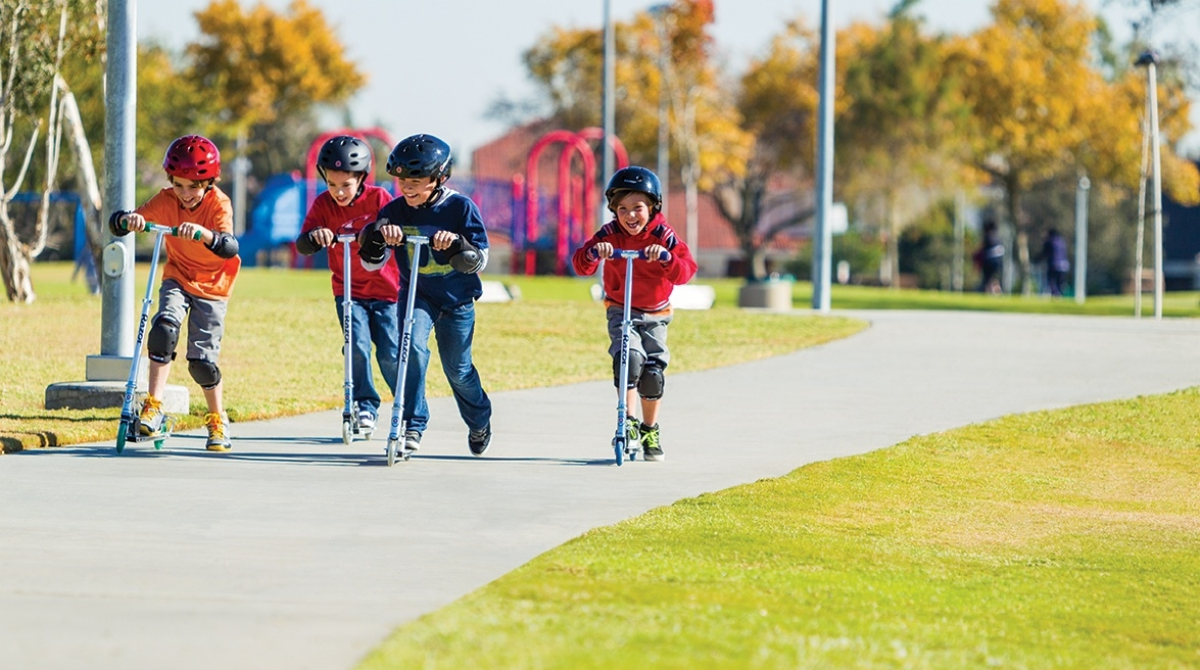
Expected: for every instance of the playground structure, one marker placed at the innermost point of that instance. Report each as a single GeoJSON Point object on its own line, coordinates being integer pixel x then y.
{"type": "Point", "coordinates": [513, 210]}
{"type": "Point", "coordinates": [576, 196]}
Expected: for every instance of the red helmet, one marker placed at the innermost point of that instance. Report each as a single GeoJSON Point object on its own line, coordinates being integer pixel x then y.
{"type": "Point", "coordinates": [193, 157]}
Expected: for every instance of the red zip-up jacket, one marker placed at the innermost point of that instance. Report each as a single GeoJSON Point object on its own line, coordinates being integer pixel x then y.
{"type": "Point", "coordinates": [652, 280]}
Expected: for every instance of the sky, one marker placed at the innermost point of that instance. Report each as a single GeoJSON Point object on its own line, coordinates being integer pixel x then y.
{"type": "Point", "coordinates": [436, 66]}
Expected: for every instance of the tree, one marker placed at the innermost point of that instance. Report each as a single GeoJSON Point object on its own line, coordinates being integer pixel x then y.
{"type": "Point", "coordinates": [901, 134]}
{"type": "Point", "coordinates": [35, 39]}
{"type": "Point", "coordinates": [567, 66]}
{"type": "Point", "coordinates": [778, 103]}
{"type": "Point", "coordinates": [264, 72]}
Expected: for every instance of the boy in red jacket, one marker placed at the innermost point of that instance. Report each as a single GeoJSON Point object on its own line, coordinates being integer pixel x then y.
{"type": "Point", "coordinates": [634, 197]}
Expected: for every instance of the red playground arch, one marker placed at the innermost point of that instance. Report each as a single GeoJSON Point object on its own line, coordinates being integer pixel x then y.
{"type": "Point", "coordinates": [576, 195]}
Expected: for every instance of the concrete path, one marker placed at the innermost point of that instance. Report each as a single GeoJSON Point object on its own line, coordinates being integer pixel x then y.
{"type": "Point", "coordinates": [296, 551]}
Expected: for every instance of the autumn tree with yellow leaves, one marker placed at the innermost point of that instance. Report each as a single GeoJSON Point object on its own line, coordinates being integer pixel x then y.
{"type": "Point", "coordinates": [1042, 108]}
{"type": "Point", "coordinates": [265, 72]}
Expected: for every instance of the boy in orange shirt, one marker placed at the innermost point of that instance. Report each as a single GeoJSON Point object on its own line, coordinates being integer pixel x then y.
{"type": "Point", "coordinates": [197, 280]}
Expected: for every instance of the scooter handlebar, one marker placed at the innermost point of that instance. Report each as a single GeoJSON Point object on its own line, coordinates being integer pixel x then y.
{"type": "Point", "coordinates": [640, 254]}
{"type": "Point", "coordinates": [169, 230]}
{"type": "Point", "coordinates": [346, 238]}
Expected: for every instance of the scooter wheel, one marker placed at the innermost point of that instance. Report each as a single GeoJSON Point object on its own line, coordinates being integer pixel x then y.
{"type": "Point", "coordinates": [619, 449]}
{"type": "Point", "coordinates": [392, 446]}
{"type": "Point", "coordinates": [121, 433]}
{"type": "Point", "coordinates": [158, 443]}
{"type": "Point", "coordinates": [367, 435]}
{"type": "Point", "coordinates": [347, 432]}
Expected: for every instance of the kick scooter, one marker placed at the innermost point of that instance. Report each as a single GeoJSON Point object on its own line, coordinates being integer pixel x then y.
{"type": "Point", "coordinates": [620, 443]}
{"type": "Point", "coordinates": [129, 429]}
{"type": "Point", "coordinates": [349, 414]}
{"type": "Point", "coordinates": [395, 446]}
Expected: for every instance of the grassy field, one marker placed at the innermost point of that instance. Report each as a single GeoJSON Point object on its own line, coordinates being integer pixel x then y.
{"type": "Point", "coordinates": [1064, 539]}
{"type": "Point", "coordinates": [282, 352]}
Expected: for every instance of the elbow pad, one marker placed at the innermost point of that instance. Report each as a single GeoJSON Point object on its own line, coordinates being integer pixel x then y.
{"type": "Point", "coordinates": [224, 245]}
{"type": "Point", "coordinates": [468, 259]}
{"type": "Point", "coordinates": [371, 245]}
{"type": "Point", "coordinates": [114, 226]}
{"type": "Point", "coordinates": [305, 245]}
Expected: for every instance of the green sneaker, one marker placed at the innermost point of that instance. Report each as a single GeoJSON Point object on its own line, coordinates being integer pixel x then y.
{"type": "Point", "coordinates": [651, 447]}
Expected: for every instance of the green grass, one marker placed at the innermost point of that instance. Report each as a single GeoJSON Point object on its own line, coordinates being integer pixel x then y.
{"type": "Point", "coordinates": [1064, 539]}
{"type": "Point", "coordinates": [282, 349]}
{"type": "Point", "coordinates": [1175, 304]}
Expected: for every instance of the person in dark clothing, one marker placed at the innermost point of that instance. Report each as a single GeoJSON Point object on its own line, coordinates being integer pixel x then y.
{"type": "Point", "coordinates": [990, 259]}
{"type": "Point", "coordinates": [1054, 255]}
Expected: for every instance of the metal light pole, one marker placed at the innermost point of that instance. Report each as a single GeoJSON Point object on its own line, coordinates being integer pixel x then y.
{"type": "Point", "coordinates": [660, 14]}
{"type": "Point", "coordinates": [120, 125]}
{"type": "Point", "coordinates": [1149, 59]}
{"type": "Point", "coordinates": [609, 113]}
{"type": "Point", "coordinates": [1081, 241]}
{"type": "Point", "coordinates": [823, 235]}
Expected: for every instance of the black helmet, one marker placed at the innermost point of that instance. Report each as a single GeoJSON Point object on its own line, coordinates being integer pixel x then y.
{"type": "Point", "coordinates": [421, 156]}
{"type": "Point", "coordinates": [345, 153]}
{"type": "Point", "coordinates": [634, 178]}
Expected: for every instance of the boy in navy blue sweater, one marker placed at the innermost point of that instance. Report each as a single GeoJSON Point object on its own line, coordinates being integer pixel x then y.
{"type": "Point", "coordinates": [448, 285]}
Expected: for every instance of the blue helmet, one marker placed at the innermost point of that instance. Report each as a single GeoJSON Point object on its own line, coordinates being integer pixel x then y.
{"type": "Point", "coordinates": [345, 153]}
{"type": "Point", "coordinates": [421, 156]}
{"type": "Point", "coordinates": [634, 178]}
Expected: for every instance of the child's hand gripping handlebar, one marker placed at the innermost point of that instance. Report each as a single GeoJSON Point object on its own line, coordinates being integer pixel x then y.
{"type": "Point", "coordinates": [641, 255]}
{"type": "Point", "coordinates": [169, 230]}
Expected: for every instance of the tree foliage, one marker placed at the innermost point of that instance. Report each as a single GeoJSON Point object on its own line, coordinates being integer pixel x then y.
{"type": "Point", "coordinates": [32, 50]}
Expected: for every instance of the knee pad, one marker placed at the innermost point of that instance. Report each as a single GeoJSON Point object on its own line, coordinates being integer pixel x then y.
{"type": "Point", "coordinates": [652, 381]}
{"type": "Point", "coordinates": [206, 374]}
{"type": "Point", "coordinates": [636, 362]}
{"type": "Point", "coordinates": [160, 343]}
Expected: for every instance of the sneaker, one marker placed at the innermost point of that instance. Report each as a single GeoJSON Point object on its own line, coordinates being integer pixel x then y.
{"type": "Point", "coordinates": [366, 421]}
{"type": "Point", "coordinates": [217, 440]}
{"type": "Point", "coordinates": [412, 440]}
{"type": "Point", "coordinates": [151, 419]}
{"type": "Point", "coordinates": [633, 434]}
{"type": "Point", "coordinates": [478, 440]}
{"type": "Point", "coordinates": [651, 447]}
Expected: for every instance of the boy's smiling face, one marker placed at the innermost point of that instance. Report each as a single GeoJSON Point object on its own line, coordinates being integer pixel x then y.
{"type": "Point", "coordinates": [633, 212]}
{"type": "Point", "coordinates": [417, 191]}
{"type": "Point", "coordinates": [343, 186]}
{"type": "Point", "coordinates": [189, 192]}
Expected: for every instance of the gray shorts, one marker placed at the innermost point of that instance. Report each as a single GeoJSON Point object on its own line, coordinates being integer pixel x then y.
{"type": "Point", "coordinates": [205, 320]}
{"type": "Point", "coordinates": [647, 334]}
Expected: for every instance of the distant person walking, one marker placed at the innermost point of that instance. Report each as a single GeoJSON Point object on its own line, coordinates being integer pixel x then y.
{"type": "Point", "coordinates": [1054, 255]}
{"type": "Point", "coordinates": [990, 259]}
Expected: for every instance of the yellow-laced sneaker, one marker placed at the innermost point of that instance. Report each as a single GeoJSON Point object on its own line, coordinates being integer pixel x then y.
{"type": "Point", "coordinates": [151, 418]}
{"type": "Point", "coordinates": [651, 446]}
{"type": "Point", "coordinates": [217, 440]}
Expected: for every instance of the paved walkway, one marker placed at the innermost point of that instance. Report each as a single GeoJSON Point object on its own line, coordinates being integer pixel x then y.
{"type": "Point", "coordinates": [296, 551]}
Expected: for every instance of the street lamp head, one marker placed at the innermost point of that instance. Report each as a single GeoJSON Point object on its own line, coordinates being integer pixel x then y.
{"type": "Point", "coordinates": [1148, 57]}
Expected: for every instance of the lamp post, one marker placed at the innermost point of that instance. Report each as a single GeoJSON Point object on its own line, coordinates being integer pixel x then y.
{"type": "Point", "coordinates": [608, 112]}
{"type": "Point", "coordinates": [1081, 238]}
{"type": "Point", "coordinates": [823, 235]}
{"type": "Point", "coordinates": [120, 124]}
{"type": "Point", "coordinates": [661, 14]}
{"type": "Point", "coordinates": [1149, 59]}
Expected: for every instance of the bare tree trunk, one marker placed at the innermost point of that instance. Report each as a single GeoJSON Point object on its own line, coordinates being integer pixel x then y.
{"type": "Point", "coordinates": [93, 203]}
{"type": "Point", "coordinates": [14, 262]}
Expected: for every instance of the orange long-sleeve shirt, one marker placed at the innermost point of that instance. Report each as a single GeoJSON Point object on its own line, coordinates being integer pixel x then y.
{"type": "Point", "coordinates": [198, 270]}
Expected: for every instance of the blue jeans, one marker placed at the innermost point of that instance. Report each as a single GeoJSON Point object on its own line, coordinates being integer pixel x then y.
{"type": "Point", "coordinates": [455, 331]}
{"type": "Point", "coordinates": [372, 321]}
